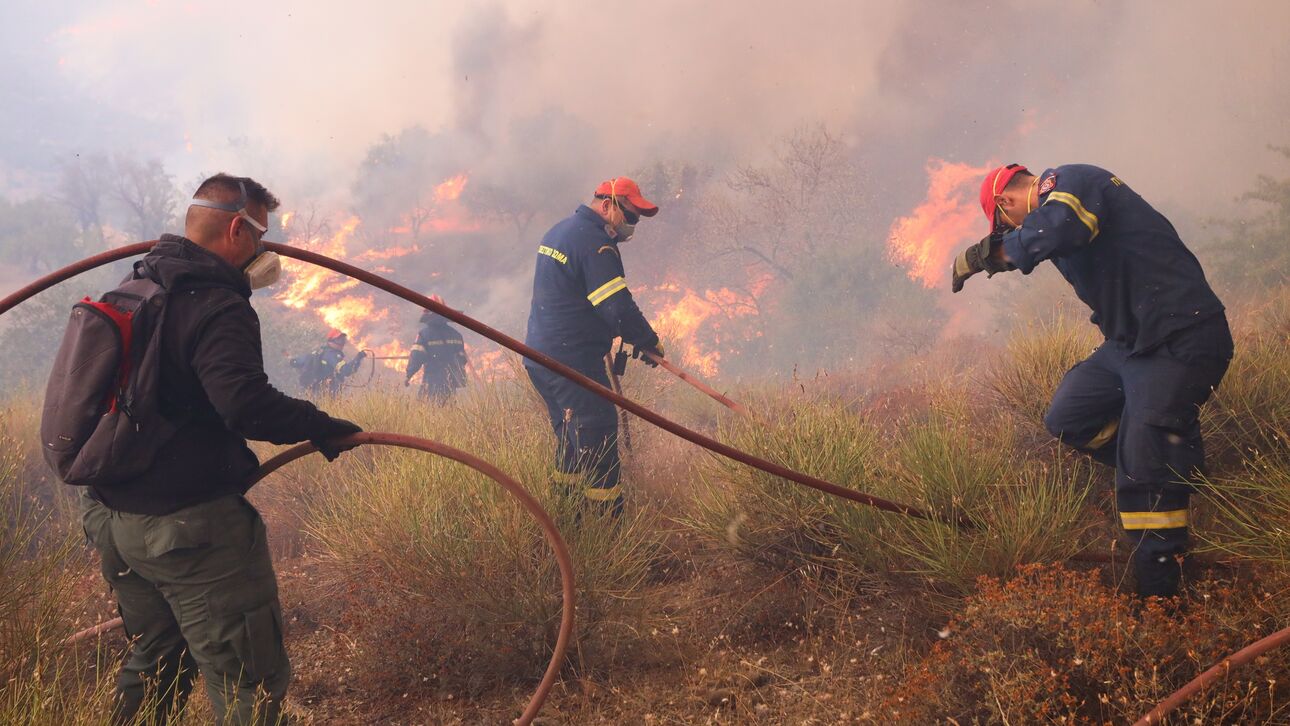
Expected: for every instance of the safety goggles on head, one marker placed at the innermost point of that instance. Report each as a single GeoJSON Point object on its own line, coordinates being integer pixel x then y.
{"type": "Point", "coordinates": [238, 207]}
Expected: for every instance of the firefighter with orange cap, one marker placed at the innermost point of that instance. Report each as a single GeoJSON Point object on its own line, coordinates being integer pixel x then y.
{"type": "Point", "coordinates": [580, 304]}
{"type": "Point", "coordinates": [1134, 403]}
{"type": "Point", "coordinates": [439, 354]}
{"type": "Point", "coordinates": [326, 368]}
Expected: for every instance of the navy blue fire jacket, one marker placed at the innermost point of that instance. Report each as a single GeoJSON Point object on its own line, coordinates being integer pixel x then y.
{"type": "Point", "coordinates": [1124, 259]}
{"type": "Point", "coordinates": [580, 296]}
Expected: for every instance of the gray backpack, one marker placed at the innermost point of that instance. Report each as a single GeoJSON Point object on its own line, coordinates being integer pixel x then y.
{"type": "Point", "coordinates": [101, 423]}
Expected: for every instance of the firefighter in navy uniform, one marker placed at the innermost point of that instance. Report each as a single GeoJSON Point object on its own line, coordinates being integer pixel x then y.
{"type": "Point", "coordinates": [1134, 403]}
{"type": "Point", "coordinates": [326, 368]}
{"type": "Point", "coordinates": [580, 304]}
{"type": "Point", "coordinates": [440, 355]}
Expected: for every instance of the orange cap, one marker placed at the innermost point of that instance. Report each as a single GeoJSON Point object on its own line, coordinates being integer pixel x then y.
{"type": "Point", "coordinates": [624, 187]}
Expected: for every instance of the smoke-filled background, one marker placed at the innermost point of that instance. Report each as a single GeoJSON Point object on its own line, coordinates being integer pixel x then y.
{"type": "Point", "coordinates": [817, 164]}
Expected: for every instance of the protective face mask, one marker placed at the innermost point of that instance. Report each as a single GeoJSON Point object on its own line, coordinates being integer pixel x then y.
{"type": "Point", "coordinates": [625, 232]}
{"type": "Point", "coordinates": [263, 270]}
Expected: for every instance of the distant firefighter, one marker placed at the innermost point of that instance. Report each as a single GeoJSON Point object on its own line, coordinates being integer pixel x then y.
{"type": "Point", "coordinates": [325, 369]}
{"type": "Point", "coordinates": [439, 354]}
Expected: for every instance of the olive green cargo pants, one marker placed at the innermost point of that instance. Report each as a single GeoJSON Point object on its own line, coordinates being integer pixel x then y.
{"type": "Point", "coordinates": [195, 588]}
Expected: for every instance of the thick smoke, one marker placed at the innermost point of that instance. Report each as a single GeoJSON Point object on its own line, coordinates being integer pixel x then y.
{"type": "Point", "coordinates": [537, 102]}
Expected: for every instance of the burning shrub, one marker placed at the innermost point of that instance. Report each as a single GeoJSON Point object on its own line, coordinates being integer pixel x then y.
{"type": "Point", "coordinates": [1057, 646]}
{"type": "Point", "coordinates": [439, 559]}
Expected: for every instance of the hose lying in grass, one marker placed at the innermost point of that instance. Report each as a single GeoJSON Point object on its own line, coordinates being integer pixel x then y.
{"type": "Point", "coordinates": [507, 341]}
{"type": "Point", "coordinates": [1217, 671]}
{"type": "Point", "coordinates": [513, 487]}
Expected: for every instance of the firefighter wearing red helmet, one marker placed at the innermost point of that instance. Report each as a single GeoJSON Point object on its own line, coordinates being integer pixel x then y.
{"type": "Point", "coordinates": [325, 369]}
{"type": "Point", "coordinates": [1134, 403]}
{"type": "Point", "coordinates": [580, 304]}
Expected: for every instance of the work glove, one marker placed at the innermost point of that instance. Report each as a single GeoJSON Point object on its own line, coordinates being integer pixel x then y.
{"type": "Point", "coordinates": [980, 257]}
{"type": "Point", "coordinates": [337, 428]}
{"type": "Point", "coordinates": [638, 352]}
{"type": "Point", "coordinates": [407, 382]}
{"type": "Point", "coordinates": [361, 355]}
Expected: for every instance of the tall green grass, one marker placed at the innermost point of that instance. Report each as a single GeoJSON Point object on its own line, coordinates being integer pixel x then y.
{"type": "Point", "coordinates": [944, 463]}
{"type": "Point", "coordinates": [1036, 357]}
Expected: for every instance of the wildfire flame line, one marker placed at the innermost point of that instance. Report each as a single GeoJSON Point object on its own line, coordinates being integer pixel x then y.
{"type": "Point", "coordinates": [947, 218]}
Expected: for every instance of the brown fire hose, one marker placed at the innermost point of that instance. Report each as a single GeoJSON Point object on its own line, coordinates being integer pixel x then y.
{"type": "Point", "coordinates": [512, 487]}
{"type": "Point", "coordinates": [1217, 671]}
{"type": "Point", "coordinates": [507, 341]}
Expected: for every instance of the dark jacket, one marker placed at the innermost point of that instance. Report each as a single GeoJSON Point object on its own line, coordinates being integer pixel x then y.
{"type": "Point", "coordinates": [580, 296]}
{"type": "Point", "coordinates": [325, 368]}
{"type": "Point", "coordinates": [212, 379]}
{"type": "Point", "coordinates": [441, 351]}
{"type": "Point", "coordinates": [1124, 259]}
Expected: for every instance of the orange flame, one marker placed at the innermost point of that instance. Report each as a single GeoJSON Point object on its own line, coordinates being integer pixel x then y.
{"type": "Point", "coordinates": [490, 365]}
{"type": "Point", "coordinates": [450, 189]}
{"type": "Point", "coordinates": [948, 218]}
{"type": "Point", "coordinates": [693, 325]}
{"type": "Point", "coordinates": [387, 253]}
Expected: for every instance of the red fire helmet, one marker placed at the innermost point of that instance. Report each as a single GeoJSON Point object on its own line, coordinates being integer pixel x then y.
{"type": "Point", "coordinates": [335, 334]}
{"type": "Point", "coordinates": [994, 184]}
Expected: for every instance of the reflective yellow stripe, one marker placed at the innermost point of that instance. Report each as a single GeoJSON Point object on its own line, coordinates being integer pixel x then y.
{"type": "Point", "coordinates": [1088, 218]}
{"type": "Point", "coordinates": [568, 479]}
{"type": "Point", "coordinates": [597, 494]}
{"type": "Point", "coordinates": [1154, 520]}
{"type": "Point", "coordinates": [603, 292]}
{"type": "Point", "coordinates": [419, 347]}
{"type": "Point", "coordinates": [1105, 435]}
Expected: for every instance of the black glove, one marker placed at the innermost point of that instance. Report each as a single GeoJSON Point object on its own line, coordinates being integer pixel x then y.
{"type": "Point", "coordinates": [361, 355]}
{"type": "Point", "coordinates": [337, 428]}
{"type": "Point", "coordinates": [639, 351]}
{"type": "Point", "coordinates": [980, 257]}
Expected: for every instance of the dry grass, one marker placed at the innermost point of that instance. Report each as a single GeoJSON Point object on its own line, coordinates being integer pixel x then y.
{"type": "Point", "coordinates": [404, 532]}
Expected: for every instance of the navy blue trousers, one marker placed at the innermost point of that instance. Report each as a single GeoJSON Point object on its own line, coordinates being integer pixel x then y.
{"type": "Point", "coordinates": [1139, 413]}
{"type": "Point", "coordinates": [586, 433]}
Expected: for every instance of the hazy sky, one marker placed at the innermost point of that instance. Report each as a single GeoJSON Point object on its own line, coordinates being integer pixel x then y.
{"type": "Point", "coordinates": [1179, 98]}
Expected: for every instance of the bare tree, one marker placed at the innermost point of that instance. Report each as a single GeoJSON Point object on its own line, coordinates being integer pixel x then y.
{"type": "Point", "coordinates": [84, 187]}
{"type": "Point", "coordinates": [777, 217]}
{"type": "Point", "coordinates": [147, 195]}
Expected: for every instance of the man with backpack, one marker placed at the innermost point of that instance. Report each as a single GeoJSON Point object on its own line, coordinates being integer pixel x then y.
{"type": "Point", "coordinates": [439, 354]}
{"type": "Point", "coordinates": [181, 547]}
{"type": "Point", "coordinates": [325, 369]}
